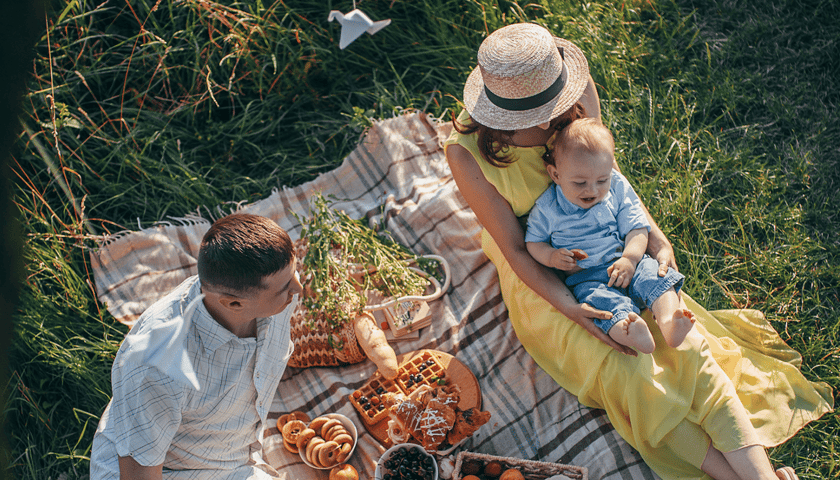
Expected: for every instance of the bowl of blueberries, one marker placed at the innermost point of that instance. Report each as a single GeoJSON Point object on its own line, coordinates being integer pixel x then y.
{"type": "Point", "coordinates": [406, 461]}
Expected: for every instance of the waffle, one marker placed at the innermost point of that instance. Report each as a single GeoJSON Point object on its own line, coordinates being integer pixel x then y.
{"type": "Point", "coordinates": [423, 369]}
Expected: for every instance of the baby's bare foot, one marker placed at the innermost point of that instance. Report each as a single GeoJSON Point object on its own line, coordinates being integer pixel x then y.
{"type": "Point", "coordinates": [676, 329]}
{"type": "Point", "coordinates": [633, 332]}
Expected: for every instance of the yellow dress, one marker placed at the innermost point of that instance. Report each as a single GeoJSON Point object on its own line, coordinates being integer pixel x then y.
{"type": "Point", "coordinates": [669, 405]}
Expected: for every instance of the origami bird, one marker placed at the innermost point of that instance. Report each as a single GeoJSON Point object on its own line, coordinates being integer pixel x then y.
{"type": "Point", "coordinates": [354, 24]}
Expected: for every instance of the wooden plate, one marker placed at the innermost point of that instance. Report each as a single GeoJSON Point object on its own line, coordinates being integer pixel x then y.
{"type": "Point", "coordinates": [455, 371]}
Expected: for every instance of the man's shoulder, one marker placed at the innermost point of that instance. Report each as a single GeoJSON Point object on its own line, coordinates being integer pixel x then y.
{"type": "Point", "coordinates": [166, 307]}
{"type": "Point", "coordinates": [146, 351]}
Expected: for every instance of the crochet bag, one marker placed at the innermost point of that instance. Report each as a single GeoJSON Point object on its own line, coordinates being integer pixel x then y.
{"type": "Point", "coordinates": [312, 342]}
{"type": "Point", "coordinates": [315, 346]}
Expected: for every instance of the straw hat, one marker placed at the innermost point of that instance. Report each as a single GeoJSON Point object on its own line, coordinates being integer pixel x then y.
{"type": "Point", "coordinates": [525, 77]}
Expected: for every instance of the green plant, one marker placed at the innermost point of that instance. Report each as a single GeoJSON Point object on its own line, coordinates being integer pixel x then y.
{"type": "Point", "coordinates": [345, 259]}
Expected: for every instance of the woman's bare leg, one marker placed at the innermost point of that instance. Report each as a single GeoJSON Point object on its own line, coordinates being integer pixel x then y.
{"type": "Point", "coordinates": [747, 463]}
{"type": "Point", "coordinates": [751, 463]}
{"type": "Point", "coordinates": [716, 466]}
{"type": "Point", "coordinates": [786, 473]}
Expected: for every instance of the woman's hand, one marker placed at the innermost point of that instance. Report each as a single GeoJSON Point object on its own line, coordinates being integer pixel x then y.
{"type": "Point", "coordinates": [660, 248]}
{"type": "Point", "coordinates": [584, 315]}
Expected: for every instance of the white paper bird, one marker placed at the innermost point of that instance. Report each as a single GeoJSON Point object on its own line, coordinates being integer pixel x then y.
{"type": "Point", "coordinates": [354, 24]}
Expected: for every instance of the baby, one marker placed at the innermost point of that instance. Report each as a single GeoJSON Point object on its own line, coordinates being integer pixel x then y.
{"type": "Point", "coordinates": [590, 224]}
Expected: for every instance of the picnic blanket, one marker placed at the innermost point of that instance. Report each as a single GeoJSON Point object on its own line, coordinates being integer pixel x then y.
{"type": "Point", "coordinates": [397, 174]}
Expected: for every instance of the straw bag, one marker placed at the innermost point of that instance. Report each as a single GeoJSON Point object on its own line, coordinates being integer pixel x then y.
{"type": "Point", "coordinates": [313, 347]}
{"type": "Point", "coordinates": [316, 347]}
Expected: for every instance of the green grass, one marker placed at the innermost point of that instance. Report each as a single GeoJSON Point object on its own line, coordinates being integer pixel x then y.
{"type": "Point", "coordinates": [724, 113]}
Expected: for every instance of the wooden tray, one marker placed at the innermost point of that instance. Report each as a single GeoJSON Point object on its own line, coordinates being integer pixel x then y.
{"type": "Point", "coordinates": [455, 370]}
{"type": "Point", "coordinates": [530, 469]}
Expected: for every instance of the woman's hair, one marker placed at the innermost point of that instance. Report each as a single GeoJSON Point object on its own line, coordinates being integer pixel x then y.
{"type": "Point", "coordinates": [584, 134]}
{"type": "Point", "coordinates": [492, 142]}
{"type": "Point", "coordinates": [240, 250]}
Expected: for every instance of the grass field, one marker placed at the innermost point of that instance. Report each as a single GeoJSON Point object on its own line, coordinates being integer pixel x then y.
{"type": "Point", "coordinates": [724, 113]}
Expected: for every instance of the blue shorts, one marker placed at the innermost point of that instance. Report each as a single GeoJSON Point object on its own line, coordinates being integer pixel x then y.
{"type": "Point", "coordinates": [590, 286]}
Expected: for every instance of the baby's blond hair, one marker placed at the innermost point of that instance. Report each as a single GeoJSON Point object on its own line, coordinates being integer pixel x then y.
{"type": "Point", "coordinates": [584, 134]}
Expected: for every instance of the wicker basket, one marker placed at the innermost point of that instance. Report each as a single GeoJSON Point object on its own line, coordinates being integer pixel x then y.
{"type": "Point", "coordinates": [313, 347]}
{"type": "Point", "coordinates": [313, 337]}
{"type": "Point", "coordinates": [530, 469]}
{"type": "Point", "coordinates": [310, 336]}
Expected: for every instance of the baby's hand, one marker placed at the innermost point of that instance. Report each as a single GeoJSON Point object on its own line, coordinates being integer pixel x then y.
{"type": "Point", "coordinates": [563, 259]}
{"type": "Point", "coordinates": [621, 272]}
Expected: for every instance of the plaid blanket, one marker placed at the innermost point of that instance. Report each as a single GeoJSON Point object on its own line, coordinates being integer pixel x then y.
{"type": "Point", "coordinates": [397, 174]}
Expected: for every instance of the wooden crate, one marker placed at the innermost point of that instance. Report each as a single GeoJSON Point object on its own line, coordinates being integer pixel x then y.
{"type": "Point", "coordinates": [530, 469]}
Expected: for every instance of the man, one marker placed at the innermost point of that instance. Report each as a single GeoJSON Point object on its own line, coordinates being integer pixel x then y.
{"type": "Point", "coordinates": [194, 379]}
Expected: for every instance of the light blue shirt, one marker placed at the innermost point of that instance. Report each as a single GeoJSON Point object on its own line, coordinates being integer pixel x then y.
{"type": "Point", "coordinates": [599, 231]}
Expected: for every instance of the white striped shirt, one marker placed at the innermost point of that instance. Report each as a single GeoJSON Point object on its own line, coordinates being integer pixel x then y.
{"type": "Point", "coordinates": [206, 433]}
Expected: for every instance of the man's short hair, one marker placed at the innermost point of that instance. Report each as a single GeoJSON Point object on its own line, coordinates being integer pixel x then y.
{"type": "Point", "coordinates": [240, 250]}
{"type": "Point", "coordinates": [585, 134]}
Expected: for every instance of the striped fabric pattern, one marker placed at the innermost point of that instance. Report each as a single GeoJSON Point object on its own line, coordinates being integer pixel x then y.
{"type": "Point", "coordinates": [399, 172]}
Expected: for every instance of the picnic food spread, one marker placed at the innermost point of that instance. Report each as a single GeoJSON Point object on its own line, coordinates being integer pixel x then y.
{"type": "Point", "coordinates": [432, 417]}
{"type": "Point", "coordinates": [323, 443]}
{"type": "Point", "coordinates": [426, 400]}
{"type": "Point", "coordinates": [434, 401]}
{"type": "Point", "coordinates": [479, 466]}
{"type": "Point", "coordinates": [344, 472]}
{"type": "Point", "coordinates": [373, 342]}
{"type": "Point", "coordinates": [423, 369]}
{"type": "Point", "coordinates": [406, 462]}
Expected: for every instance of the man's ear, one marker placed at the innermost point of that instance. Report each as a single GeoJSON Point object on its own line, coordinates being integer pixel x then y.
{"type": "Point", "coordinates": [229, 302]}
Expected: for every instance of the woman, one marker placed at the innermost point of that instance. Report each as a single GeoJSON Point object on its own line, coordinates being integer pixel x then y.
{"type": "Point", "coordinates": [677, 407]}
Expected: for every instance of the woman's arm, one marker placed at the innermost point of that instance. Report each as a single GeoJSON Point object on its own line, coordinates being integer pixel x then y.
{"type": "Point", "coordinates": [590, 101]}
{"type": "Point", "coordinates": [496, 215]}
{"type": "Point", "coordinates": [658, 245]}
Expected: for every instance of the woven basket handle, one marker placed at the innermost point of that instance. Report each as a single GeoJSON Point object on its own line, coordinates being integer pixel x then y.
{"type": "Point", "coordinates": [439, 290]}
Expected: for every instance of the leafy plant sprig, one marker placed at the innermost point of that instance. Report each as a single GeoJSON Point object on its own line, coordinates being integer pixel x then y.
{"type": "Point", "coordinates": [345, 258]}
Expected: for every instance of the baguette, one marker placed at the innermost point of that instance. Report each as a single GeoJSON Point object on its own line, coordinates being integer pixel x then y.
{"type": "Point", "coordinates": [372, 340]}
